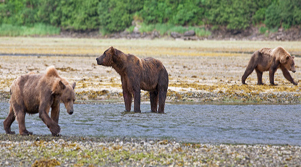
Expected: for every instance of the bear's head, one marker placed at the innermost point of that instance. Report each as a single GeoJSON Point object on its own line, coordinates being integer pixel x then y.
{"type": "Point", "coordinates": [289, 63]}
{"type": "Point", "coordinates": [68, 97]}
{"type": "Point", "coordinates": [106, 59]}
{"type": "Point", "coordinates": [284, 58]}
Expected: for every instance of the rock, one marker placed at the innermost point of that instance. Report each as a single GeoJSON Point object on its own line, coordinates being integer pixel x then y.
{"type": "Point", "coordinates": [175, 35]}
{"type": "Point", "coordinates": [155, 34]}
{"type": "Point", "coordinates": [193, 38]}
{"type": "Point", "coordinates": [135, 35]}
{"type": "Point", "coordinates": [124, 33]}
{"type": "Point", "coordinates": [136, 30]}
{"type": "Point", "coordinates": [189, 33]}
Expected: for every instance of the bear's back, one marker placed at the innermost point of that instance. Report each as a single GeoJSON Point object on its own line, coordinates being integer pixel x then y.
{"type": "Point", "coordinates": [25, 83]}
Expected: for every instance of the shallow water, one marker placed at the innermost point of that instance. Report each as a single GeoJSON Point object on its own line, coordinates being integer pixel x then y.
{"type": "Point", "coordinates": [249, 124]}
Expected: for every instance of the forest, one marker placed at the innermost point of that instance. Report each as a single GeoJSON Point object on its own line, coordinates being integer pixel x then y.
{"type": "Point", "coordinates": [109, 16]}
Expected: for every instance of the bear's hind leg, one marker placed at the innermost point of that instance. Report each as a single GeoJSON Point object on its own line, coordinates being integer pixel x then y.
{"type": "Point", "coordinates": [248, 71]}
{"type": "Point", "coordinates": [154, 100]}
{"type": "Point", "coordinates": [162, 97]}
{"type": "Point", "coordinates": [20, 114]}
{"type": "Point", "coordinates": [9, 120]}
{"type": "Point", "coordinates": [259, 77]}
{"type": "Point", "coordinates": [250, 68]}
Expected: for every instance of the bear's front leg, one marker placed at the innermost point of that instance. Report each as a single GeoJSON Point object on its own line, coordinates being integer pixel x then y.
{"type": "Point", "coordinates": [127, 96]}
{"type": "Point", "coordinates": [51, 124]}
{"type": "Point", "coordinates": [137, 100]}
{"type": "Point", "coordinates": [55, 113]}
{"type": "Point", "coordinates": [287, 75]}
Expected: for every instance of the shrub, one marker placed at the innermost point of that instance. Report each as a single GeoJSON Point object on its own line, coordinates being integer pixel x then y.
{"type": "Point", "coordinates": [263, 29]}
{"type": "Point", "coordinates": [272, 16]}
{"type": "Point", "coordinates": [37, 29]}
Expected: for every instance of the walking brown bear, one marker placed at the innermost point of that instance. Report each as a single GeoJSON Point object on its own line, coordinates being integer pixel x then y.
{"type": "Point", "coordinates": [147, 74]}
{"type": "Point", "coordinates": [267, 59]}
{"type": "Point", "coordinates": [37, 93]}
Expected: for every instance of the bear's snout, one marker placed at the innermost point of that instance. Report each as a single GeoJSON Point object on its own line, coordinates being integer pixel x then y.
{"type": "Point", "coordinates": [70, 112]}
{"type": "Point", "coordinates": [98, 61]}
{"type": "Point", "coordinates": [293, 69]}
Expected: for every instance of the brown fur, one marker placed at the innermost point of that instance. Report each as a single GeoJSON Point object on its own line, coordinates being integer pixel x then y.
{"type": "Point", "coordinates": [147, 74]}
{"type": "Point", "coordinates": [267, 59]}
{"type": "Point", "coordinates": [37, 93]}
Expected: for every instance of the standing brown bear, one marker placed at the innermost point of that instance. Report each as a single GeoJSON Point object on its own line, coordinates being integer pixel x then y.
{"type": "Point", "coordinates": [267, 59]}
{"type": "Point", "coordinates": [37, 93]}
{"type": "Point", "coordinates": [147, 74]}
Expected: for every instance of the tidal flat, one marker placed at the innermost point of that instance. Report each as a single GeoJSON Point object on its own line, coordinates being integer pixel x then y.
{"type": "Point", "coordinates": [199, 71]}
{"type": "Point", "coordinates": [202, 74]}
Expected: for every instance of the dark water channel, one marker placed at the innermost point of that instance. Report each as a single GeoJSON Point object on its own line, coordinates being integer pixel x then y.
{"type": "Point", "coordinates": [250, 124]}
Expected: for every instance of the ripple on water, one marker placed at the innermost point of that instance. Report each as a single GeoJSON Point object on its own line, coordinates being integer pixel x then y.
{"type": "Point", "coordinates": [251, 124]}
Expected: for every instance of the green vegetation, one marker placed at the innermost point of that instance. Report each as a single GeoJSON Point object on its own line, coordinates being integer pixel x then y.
{"type": "Point", "coordinates": [110, 16]}
{"type": "Point", "coordinates": [37, 29]}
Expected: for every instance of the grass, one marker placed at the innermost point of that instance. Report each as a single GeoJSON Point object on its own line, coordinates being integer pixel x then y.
{"type": "Point", "coordinates": [130, 29]}
{"type": "Point", "coordinates": [147, 28]}
{"type": "Point", "coordinates": [263, 29]}
{"type": "Point", "coordinates": [140, 47]}
{"type": "Point", "coordinates": [38, 29]}
{"type": "Point", "coordinates": [165, 29]}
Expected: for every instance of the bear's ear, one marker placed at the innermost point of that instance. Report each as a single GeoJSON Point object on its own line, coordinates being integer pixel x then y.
{"type": "Point", "coordinates": [73, 85]}
{"type": "Point", "coordinates": [62, 85]}
{"type": "Point", "coordinates": [58, 87]}
{"type": "Point", "coordinates": [113, 50]}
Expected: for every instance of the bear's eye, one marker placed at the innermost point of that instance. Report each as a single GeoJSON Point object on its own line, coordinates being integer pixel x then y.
{"type": "Point", "coordinates": [68, 100]}
{"type": "Point", "coordinates": [73, 100]}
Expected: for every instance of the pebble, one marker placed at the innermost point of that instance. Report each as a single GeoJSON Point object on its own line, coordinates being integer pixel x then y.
{"type": "Point", "coordinates": [73, 151]}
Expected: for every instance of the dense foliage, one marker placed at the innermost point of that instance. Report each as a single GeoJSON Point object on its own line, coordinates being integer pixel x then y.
{"type": "Point", "coordinates": [117, 15]}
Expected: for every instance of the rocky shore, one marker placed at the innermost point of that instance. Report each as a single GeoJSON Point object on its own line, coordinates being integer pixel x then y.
{"type": "Point", "coordinates": [97, 151]}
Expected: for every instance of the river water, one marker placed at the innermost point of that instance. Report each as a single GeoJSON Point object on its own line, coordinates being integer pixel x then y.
{"type": "Point", "coordinates": [236, 124]}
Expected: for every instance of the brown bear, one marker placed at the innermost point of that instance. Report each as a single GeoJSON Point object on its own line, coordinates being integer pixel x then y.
{"type": "Point", "coordinates": [267, 59]}
{"type": "Point", "coordinates": [147, 74]}
{"type": "Point", "coordinates": [37, 93]}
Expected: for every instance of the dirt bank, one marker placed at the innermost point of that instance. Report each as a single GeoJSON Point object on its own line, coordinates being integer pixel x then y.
{"type": "Point", "coordinates": [250, 33]}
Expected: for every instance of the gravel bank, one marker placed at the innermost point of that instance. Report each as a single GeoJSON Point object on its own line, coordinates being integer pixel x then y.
{"type": "Point", "coordinates": [91, 151]}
